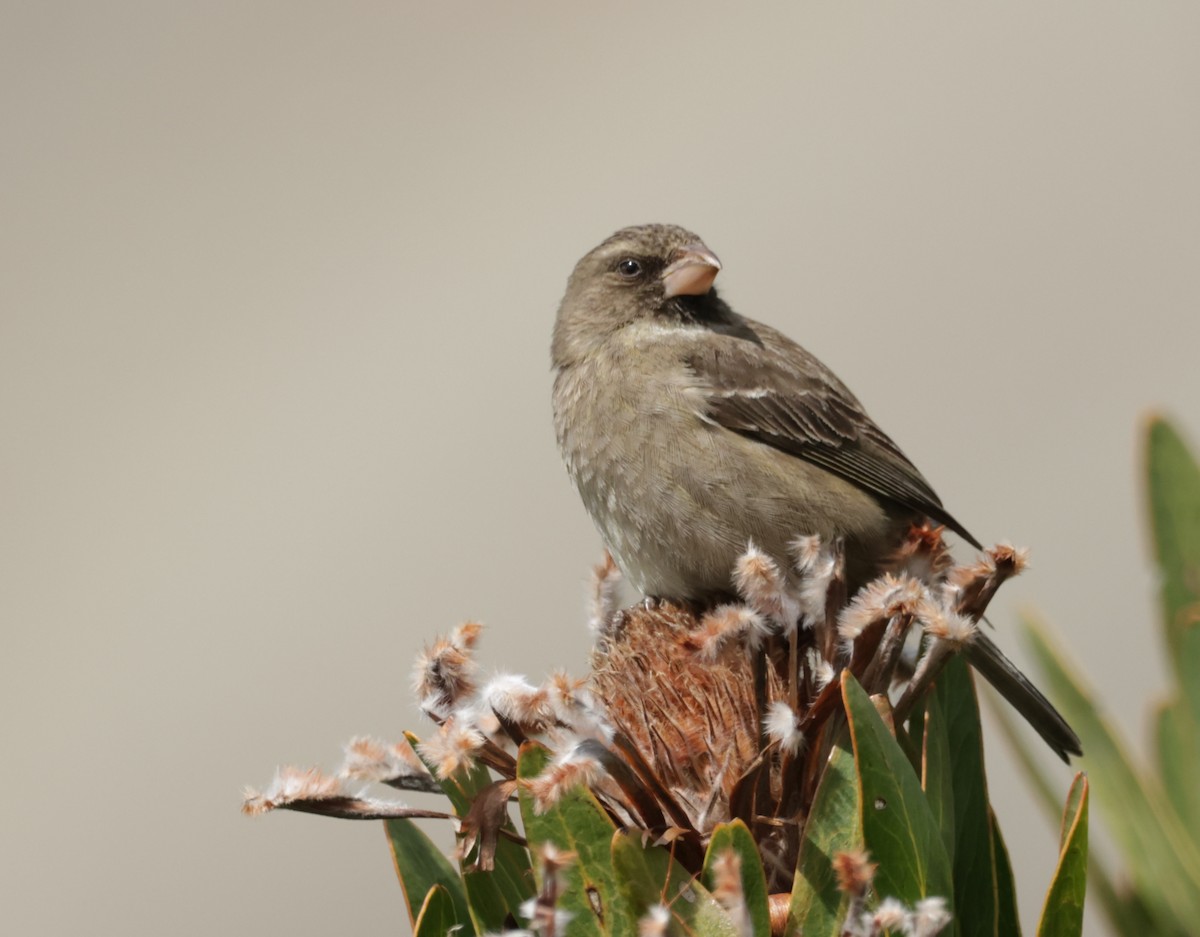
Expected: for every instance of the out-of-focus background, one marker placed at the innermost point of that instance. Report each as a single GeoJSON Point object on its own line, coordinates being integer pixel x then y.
{"type": "Point", "coordinates": [276, 288]}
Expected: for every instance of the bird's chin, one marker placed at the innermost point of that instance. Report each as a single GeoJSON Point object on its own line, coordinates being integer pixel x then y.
{"type": "Point", "coordinates": [694, 308]}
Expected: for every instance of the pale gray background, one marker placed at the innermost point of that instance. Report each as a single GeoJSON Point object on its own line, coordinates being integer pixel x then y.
{"type": "Point", "coordinates": [277, 282]}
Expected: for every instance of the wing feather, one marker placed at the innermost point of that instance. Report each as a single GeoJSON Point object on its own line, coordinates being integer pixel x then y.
{"type": "Point", "coordinates": [760, 384]}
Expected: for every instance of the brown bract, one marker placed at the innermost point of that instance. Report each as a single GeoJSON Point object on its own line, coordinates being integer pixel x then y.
{"type": "Point", "coordinates": [685, 699]}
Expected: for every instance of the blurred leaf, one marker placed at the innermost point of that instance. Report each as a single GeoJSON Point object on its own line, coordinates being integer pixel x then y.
{"type": "Point", "coordinates": [898, 827]}
{"type": "Point", "coordinates": [492, 896]}
{"type": "Point", "coordinates": [420, 866]}
{"type": "Point", "coordinates": [649, 876]}
{"type": "Point", "coordinates": [953, 705]}
{"type": "Point", "coordinates": [1007, 919]}
{"type": "Point", "coordinates": [1125, 909]}
{"type": "Point", "coordinates": [1062, 915]}
{"type": "Point", "coordinates": [1014, 732]}
{"type": "Point", "coordinates": [1129, 915]}
{"type": "Point", "coordinates": [1178, 745]}
{"type": "Point", "coordinates": [1160, 856]}
{"type": "Point", "coordinates": [438, 916]}
{"type": "Point", "coordinates": [834, 825]}
{"type": "Point", "coordinates": [736, 836]}
{"type": "Point", "coordinates": [1173, 488]}
{"type": "Point", "coordinates": [576, 824]}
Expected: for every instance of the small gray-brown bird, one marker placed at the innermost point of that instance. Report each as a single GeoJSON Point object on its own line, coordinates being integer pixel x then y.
{"type": "Point", "coordinates": [691, 431]}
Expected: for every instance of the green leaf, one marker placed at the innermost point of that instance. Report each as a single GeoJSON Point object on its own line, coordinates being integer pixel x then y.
{"type": "Point", "coordinates": [955, 707]}
{"type": "Point", "coordinates": [492, 896]}
{"type": "Point", "coordinates": [914, 747]}
{"type": "Point", "coordinates": [438, 915]}
{"type": "Point", "coordinates": [1062, 915]}
{"type": "Point", "coordinates": [576, 824]}
{"type": "Point", "coordinates": [1159, 854]}
{"type": "Point", "coordinates": [1007, 921]}
{"type": "Point", "coordinates": [420, 866]}
{"type": "Point", "coordinates": [1178, 745]}
{"type": "Point", "coordinates": [736, 836]}
{"type": "Point", "coordinates": [1127, 912]}
{"type": "Point", "coordinates": [834, 825]}
{"type": "Point", "coordinates": [1173, 489]}
{"type": "Point", "coordinates": [1129, 916]}
{"type": "Point", "coordinates": [937, 774]}
{"type": "Point", "coordinates": [496, 894]}
{"type": "Point", "coordinates": [649, 876]}
{"type": "Point", "coordinates": [898, 827]}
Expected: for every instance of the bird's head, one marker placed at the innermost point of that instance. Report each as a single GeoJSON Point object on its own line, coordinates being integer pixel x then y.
{"type": "Point", "coordinates": [644, 272]}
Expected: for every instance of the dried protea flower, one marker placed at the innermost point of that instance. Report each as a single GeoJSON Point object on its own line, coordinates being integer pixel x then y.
{"type": "Point", "coordinates": [543, 911]}
{"type": "Point", "coordinates": [445, 673]}
{"type": "Point", "coordinates": [817, 563]}
{"type": "Point", "coordinates": [604, 594]}
{"type": "Point", "coordinates": [891, 916]}
{"type": "Point", "coordinates": [765, 589]}
{"type": "Point", "coordinates": [930, 917]}
{"type": "Point", "coordinates": [654, 922]}
{"type": "Point", "coordinates": [307, 790]}
{"type": "Point", "coordinates": [570, 770]}
{"type": "Point", "coordinates": [453, 746]}
{"type": "Point", "coordinates": [727, 889]}
{"type": "Point", "coordinates": [723, 710]}
{"type": "Point", "coordinates": [782, 726]}
{"type": "Point", "coordinates": [692, 716]}
{"type": "Point", "coordinates": [512, 697]}
{"type": "Point", "coordinates": [922, 554]}
{"type": "Point", "coordinates": [855, 872]}
{"type": "Point", "coordinates": [685, 701]}
{"type": "Point", "coordinates": [727, 623]}
{"type": "Point", "coordinates": [973, 586]}
{"type": "Point", "coordinates": [290, 785]}
{"type": "Point", "coordinates": [396, 764]}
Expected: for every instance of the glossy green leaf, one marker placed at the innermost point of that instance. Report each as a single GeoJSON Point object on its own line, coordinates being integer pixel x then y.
{"type": "Point", "coordinates": [496, 894]}
{"type": "Point", "coordinates": [420, 866]}
{"type": "Point", "coordinates": [577, 824]}
{"type": "Point", "coordinates": [1173, 488]}
{"type": "Point", "coordinates": [911, 735]}
{"type": "Point", "coordinates": [898, 827]}
{"type": "Point", "coordinates": [1007, 919]}
{"type": "Point", "coordinates": [648, 876]}
{"type": "Point", "coordinates": [1177, 740]}
{"type": "Point", "coordinates": [973, 856]}
{"type": "Point", "coordinates": [1160, 855]}
{"type": "Point", "coordinates": [1062, 915]}
{"type": "Point", "coordinates": [834, 825]}
{"type": "Point", "coordinates": [736, 836]}
{"type": "Point", "coordinates": [438, 916]}
{"type": "Point", "coordinates": [937, 774]}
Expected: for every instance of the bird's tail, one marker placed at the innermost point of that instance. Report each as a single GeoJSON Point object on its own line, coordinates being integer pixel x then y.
{"type": "Point", "coordinates": [1027, 699]}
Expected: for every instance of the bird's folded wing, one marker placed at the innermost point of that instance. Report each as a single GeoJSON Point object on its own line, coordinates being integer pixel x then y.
{"type": "Point", "coordinates": [773, 391]}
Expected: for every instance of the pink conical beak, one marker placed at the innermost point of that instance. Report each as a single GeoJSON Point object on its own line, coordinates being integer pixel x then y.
{"type": "Point", "coordinates": [692, 272]}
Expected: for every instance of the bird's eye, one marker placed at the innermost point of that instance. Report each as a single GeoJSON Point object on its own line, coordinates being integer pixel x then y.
{"type": "Point", "coordinates": [629, 268]}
